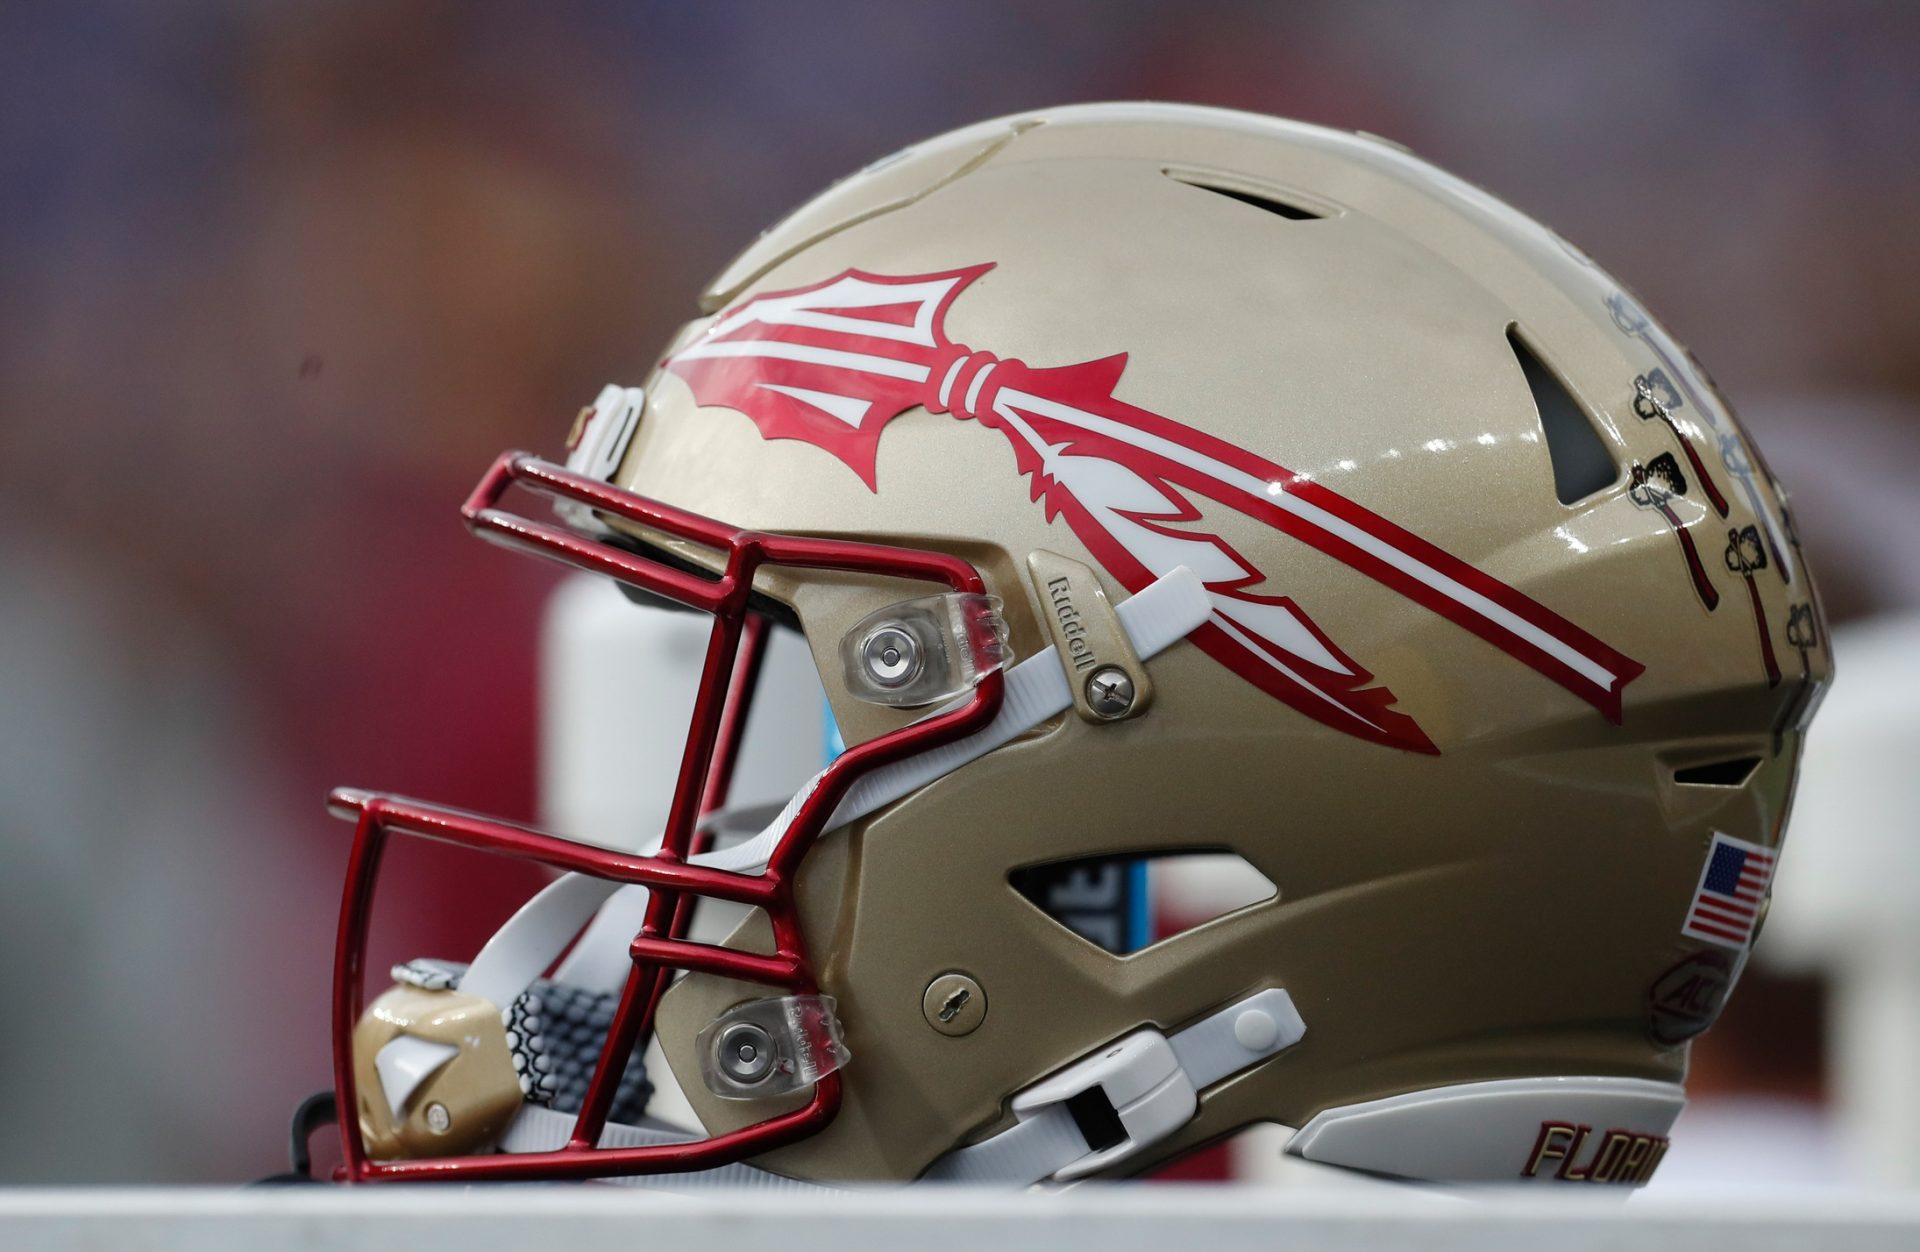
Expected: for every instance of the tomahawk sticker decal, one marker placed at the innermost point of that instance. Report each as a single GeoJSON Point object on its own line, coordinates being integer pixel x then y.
{"type": "Point", "coordinates": [1669, 391]}
{"type": "Point", "coordinates": [1655, 485]}
{"type": "Point", "coordinates": [833, 363]}
{"type": "Point", "coordinates": [1654, 397]}
{"type": "Point", "coordinates": [1733, 454]}
{"type": "Point", "coordinates": [1746, 554]}
{"type": "Point", "coordinates": [1803, 636]}
{"type": "Point", "coordinates": [1681, 389]}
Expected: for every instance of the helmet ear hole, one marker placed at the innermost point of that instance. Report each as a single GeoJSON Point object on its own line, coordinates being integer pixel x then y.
{"type": "Point", "coordinates": [1127, 903]}
{"type": "Point", "coordinates": [1581, 463]}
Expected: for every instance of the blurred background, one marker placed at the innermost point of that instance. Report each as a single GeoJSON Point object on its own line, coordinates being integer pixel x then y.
{"type": "Point", "coordinates": [276, 281]}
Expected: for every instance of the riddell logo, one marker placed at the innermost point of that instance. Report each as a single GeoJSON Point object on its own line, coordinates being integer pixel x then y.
{"type": "Point", "coordinates": [1072, 629]}
{"type": "Point", "coordinates": [1622, 1156]}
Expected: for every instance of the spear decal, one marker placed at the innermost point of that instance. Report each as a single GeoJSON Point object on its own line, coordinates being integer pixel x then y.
{"type": "Point", "coordinates": [831, 364]}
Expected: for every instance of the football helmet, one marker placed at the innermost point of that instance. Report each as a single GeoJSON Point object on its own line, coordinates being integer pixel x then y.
{"type": "Point", "coordinates": [1144, 480]}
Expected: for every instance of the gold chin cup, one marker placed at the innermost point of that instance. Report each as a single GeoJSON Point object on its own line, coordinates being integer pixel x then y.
{"type": "Point", "coordinates": [443, 1058]}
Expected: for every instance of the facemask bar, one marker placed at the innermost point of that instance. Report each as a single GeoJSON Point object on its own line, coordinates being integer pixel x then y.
{"type": "Point", "coordinates": [731, 665]}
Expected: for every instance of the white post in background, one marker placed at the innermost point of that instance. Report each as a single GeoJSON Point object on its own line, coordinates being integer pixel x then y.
{"type": "Point", "coordinates": [1847, 900]}
{"type": "Point", "coordinates": [617, 684]}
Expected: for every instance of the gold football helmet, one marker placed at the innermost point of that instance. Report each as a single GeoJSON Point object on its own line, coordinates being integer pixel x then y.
{"type": "Point", "coordinates": [1144, 480]}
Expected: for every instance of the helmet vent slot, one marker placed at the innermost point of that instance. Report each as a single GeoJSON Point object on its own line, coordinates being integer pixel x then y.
{"type": "Point", "coordinates": [1581, 463]}
{"type": "Point", "coordinates": [1732, 772]}
{"type": "Point", "coordinates": [1126, 903]}
{"type": "Point", "coordinates": [1265, 202]}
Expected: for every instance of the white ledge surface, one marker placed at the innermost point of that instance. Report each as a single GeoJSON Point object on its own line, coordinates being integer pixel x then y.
{"type": "Point", "coordinates": [1150, 1218]}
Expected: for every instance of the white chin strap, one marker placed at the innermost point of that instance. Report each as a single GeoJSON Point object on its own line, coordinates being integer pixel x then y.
{"type": "Point", "coordinates": [1096, 1112]}
{"type": "Point", "coordinates": [1155, 618]}
{"type": "Point", "coordinates": [1131, 1094]}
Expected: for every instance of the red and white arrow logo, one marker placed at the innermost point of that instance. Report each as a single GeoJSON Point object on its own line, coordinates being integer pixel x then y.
{"type": "Point", "coordinates": [831, 364]}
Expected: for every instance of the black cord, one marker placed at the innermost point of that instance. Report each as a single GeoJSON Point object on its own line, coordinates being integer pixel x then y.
{"type": "Point", "coordinates": [314, 1112]}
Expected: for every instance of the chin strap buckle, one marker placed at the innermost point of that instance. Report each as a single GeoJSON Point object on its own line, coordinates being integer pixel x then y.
{"type": "Point", "coordinates": [1121, 1099]}
{"type": "Point", "coordinates": [1129, 1095]}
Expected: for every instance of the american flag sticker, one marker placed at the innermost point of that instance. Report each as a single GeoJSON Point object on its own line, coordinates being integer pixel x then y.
{"type": "Point", "coordinates": [1733, 884]}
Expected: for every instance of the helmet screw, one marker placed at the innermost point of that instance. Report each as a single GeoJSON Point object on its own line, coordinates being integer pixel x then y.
{"type": "Point", "coordinates": [1110, 692]}
{"type": "Point", "coordinates": [439, 1121]}
{"type": "Point", "coordinates": [891, 655]}
{"type": "Point", "coordinates": [745, 1053]}
{"type": "Point", "coordinates": [954, 1004]}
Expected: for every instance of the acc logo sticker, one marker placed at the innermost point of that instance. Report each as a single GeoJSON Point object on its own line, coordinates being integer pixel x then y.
{"type": "Point", "coordinates": [1686, 999]}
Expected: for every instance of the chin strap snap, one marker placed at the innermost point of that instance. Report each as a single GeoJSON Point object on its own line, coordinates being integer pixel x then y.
{"type": "Point", "coordinates": [1127, 1096]}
